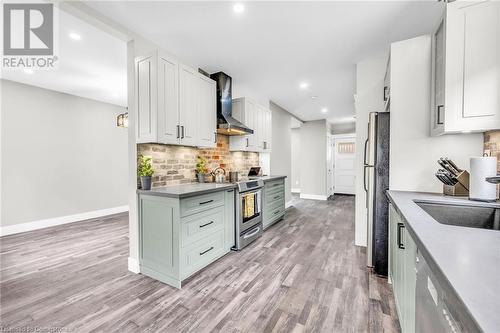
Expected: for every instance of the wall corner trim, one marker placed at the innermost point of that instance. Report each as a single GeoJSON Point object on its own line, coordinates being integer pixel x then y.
{"type": "Point", "coordinates": [46, 223]}
{"type": "Point", "coordinates": [133, 265]}
{"type": "Point", "coordinates": [313, 196]}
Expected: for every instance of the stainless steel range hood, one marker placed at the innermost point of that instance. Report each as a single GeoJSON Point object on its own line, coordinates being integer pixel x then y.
{"type": "Point", "coordinates": [226, 124]}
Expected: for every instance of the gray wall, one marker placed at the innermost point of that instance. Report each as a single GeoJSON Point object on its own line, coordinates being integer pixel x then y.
{"type": "Point", "coordinates": [281, 156]}
{"type": "Point", "coordinates": [295, 181]}
{"type": "Point", "coordinates": [61, 155]}
{"type": "Point", "coordinates": [313, 158]}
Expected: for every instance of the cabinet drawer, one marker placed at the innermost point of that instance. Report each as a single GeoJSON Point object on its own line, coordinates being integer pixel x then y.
{"type": "Point", "coordinates": [274, 214]}
{"type": "Point", "coordinates": [201, 253]}
{"type": "Point", "coordinates": [201, 203]}
{"type": "Point", "coordinates": [274, 183]}
{"type": "Point", "coordinates": [275, 204]}
{"type": "Point", "coordinates": [275, 189]}
{"type": "Point", "coordinates": [200, 225]}
{"type": "Point", "coordinates": [272, 198]}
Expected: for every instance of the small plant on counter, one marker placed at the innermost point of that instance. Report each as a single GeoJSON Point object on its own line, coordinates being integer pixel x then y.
{"type": "Point", "coordinates": [201, 169]}
{"type": "Point", "coordinates": [145, 171]}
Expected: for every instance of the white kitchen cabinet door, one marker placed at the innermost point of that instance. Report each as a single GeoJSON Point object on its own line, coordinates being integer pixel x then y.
{"type": "Point", "coordinates": [438, 76]}
{"type": "Point", "coordinates": [260, 127]}
{"type": "Point", "coordinates": [146, 102]}
{"type": "Point", "coordinates": [188, 89]}
{"type": "Point", "coordinates": [268, 127]}
{"type": "Point", "coordinates": [168, 100]}
{"type": "Point", "coordinates": [207, 112]}
{"type": "Point", "coordinates": [251, 121]}
{"type": "Point", "coordinates": [471, 69]}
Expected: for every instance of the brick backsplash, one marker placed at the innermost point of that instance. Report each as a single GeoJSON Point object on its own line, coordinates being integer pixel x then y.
{"type": "Point", "coordinates": [176, 164]}
{"type": "Point", "coordinates": [492, 146]}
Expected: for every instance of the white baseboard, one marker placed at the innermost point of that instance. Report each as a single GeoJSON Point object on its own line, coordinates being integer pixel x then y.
{"type": "Point", "coordinates": [40, 224]}
{"type": "Point", "coordinates": [295, 190]}
{"type": "Point", "coordinates": [313, 196]}
{"type": "Point", "coordinates": [133, 265]}
{"type": "Point", "coordinates": [288, 204]}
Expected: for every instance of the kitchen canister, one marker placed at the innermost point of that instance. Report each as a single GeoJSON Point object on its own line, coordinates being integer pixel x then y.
{"type": "Point", "coordinates": [479, 188]}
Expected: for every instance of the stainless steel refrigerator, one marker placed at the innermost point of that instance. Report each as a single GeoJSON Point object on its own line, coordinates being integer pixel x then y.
{"type": "Point", "coordinates": [376, 183]}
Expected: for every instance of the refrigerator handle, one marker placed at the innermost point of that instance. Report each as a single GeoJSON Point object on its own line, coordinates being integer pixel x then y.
{"type": "Point", "coordinates": [364, 156]}
{"type": "Point", "coordinates": [364, 176]}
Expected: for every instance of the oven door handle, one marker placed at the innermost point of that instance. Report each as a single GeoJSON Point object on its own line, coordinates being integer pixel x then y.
{"type": "Point", "coordinates": [253, 233]}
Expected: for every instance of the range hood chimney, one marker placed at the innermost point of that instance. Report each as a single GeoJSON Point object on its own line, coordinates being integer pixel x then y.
{"type": "Point", "coordinates": [226, 124]}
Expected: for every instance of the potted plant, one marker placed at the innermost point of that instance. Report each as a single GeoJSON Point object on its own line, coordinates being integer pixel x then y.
{"type": "Point", "coordinates": [145, 171]}
{"type": "Point", "coordinates": [201, 169]}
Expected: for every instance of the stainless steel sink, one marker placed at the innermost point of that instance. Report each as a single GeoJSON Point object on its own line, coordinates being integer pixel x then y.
{"type": "Point", "coordinates": [484, 217]}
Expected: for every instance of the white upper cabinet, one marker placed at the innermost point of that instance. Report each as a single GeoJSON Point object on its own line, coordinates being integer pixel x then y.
{"type": "Point", "coordinates": [174, 103]}
{"type": "Point", "coordinates": [146, 102]}
{"type": "Point", "coordinates": [466, 68]}
{"type": "Point", "coordinates": [188, 108]}
{"type": "Point", "coordinates": [168, 100]}
{"type": "Point", "coordinates": [257, 118]}
{"type": "Point", "coordinates": [207, 112]}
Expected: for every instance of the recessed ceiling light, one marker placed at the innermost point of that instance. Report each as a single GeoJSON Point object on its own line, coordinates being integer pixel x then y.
{"type": "Point", "coordinates": [28, 71]}
{"type": "Point", "coordinates": [314, 97]}
{"type": "Point", "coordinates": [303, 85]}
{"type": "Point", "coordinates": [75, 36]}
{"type": "Point", "coordinates": [239, 8]}
{"type": "Point", "coordinates": [324, 110]}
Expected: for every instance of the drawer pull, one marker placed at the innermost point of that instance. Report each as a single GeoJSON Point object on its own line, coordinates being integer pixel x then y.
{"type": "Point", "coordinates": [205, 202]}
{"type": "Point", "coordinates": [277, 212]}
{"type": "Point", "coordinates": [276, 197]}
{"type": "Point", "coordinates": [204, 225]}
{"type": "Point", "coordinates": [210, 249]}
{"type": "Point", "coordinates": [274, 185]}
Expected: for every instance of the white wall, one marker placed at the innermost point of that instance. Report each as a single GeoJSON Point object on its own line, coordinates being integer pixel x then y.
{"type": "Point", "coordinates": [295, 181]}
{"type": "Point", "coordinates": [281, 156]}
{"type": "Point", "coordinates": [313, 136]}
{"type": "Point", "coordinates": [413, 152]}
{"type": "Point", "coordinates": [61, 155]}
{"type": "Point", "coordinates": [342, 128]}
{"type": "Point", "coordinates": [369, 86]}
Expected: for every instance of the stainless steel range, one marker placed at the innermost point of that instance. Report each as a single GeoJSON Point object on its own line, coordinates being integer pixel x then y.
{"type": "Point", "coordinates": [248, 212]}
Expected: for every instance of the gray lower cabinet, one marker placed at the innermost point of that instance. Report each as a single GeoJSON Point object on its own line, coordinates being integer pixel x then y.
{"type": "Point", "coordinates": [274, 202]}
{"type": "Point", "coordinates": [402, 270]}
{"type": "Point", "coordinates": [178, 237]}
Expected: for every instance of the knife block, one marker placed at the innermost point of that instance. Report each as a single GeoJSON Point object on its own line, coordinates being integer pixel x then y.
{"type": "Point", "coordinates": [461, 188]}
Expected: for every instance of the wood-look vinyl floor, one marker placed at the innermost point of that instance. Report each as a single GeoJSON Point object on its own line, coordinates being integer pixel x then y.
{"type": "Point", "coordinates": [303, 275]}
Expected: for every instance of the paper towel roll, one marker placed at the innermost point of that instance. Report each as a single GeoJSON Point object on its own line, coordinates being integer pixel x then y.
{"type": "Point", "coordinates": [479, 188]}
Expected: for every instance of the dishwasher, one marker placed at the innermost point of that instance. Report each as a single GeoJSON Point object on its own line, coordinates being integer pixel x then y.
{"type": "Point", "coordinates": [432, 312]}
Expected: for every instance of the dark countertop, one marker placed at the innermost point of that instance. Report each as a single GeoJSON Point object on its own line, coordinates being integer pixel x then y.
{"type": "Point", "coordinates": [188, 190]}
{"type": "Point", "coordinates": [467, 259]}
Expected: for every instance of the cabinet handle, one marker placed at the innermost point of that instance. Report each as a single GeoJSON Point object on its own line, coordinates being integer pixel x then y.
{"type": "Point", "coordinates": [215, 137]}
{"type": "Point", "coordinates": [178, 132]}
{"type": "Point", "coordinates": [385, 92]}
{"type": "Point", "coordinates": [276, 197]}
{"type": "Point", "coordinates": [276, 185]}
{"type": "Point", "coordinates": [247, 142]}
{"type": "Point", "coordinates": [205, 202]}
{"type": "Point", "coordinates": [204, 225]}
{"type": "Point", "coordinates": [400, 244]}
{"type": "Point", "coordinates": [210, 249]}
{"type": "Point", "coordinates": [277, 212]}
{"type": "Point", "coordinates": [439, 117]}
{"type": "Point", "coordinates": [182, 132]}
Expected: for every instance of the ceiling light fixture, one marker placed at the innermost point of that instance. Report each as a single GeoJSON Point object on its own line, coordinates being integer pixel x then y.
{"type": "Point", "coordinates": [75, 36]}
{"type": "Point", "coordinates": [28, 71]}
{"type": "Point", "coordinates": [239, 8]}
{"type": "Point", "coordinates": [303, 85]}
{"type": "Point", "coordinates": [314, 97]}
{"type": "Point", "coordinates": [324, 110]}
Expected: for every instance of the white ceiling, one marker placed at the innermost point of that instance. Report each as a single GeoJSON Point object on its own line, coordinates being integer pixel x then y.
{"type": "Point", "coordinates": [93, 67]}
{"type": "Point", "coordinates": [273, 46]}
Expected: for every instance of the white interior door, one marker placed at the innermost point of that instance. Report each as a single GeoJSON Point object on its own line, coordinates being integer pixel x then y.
{"type": "Point", "coordinates": [345, 164]}
{"type": "Point", "coordinates": [330, 153]}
